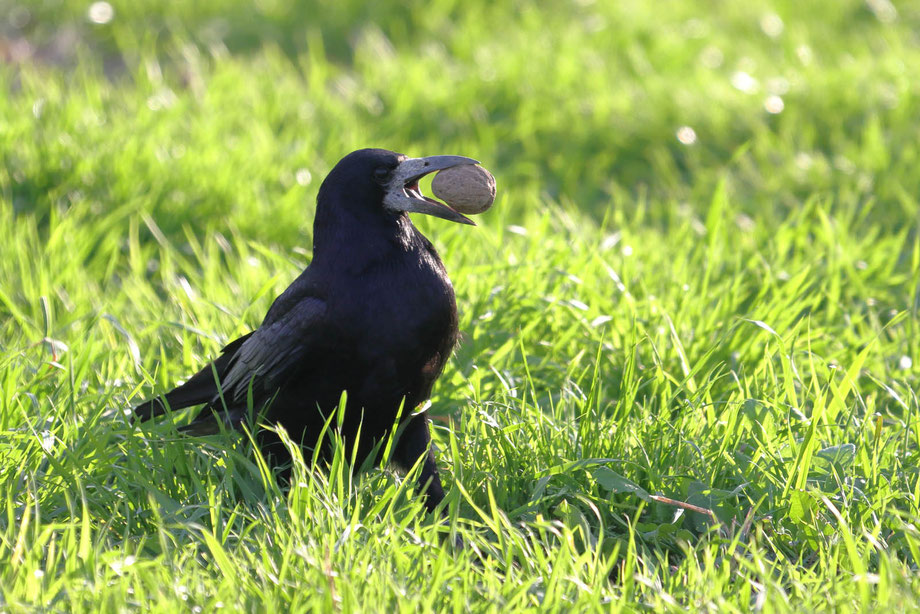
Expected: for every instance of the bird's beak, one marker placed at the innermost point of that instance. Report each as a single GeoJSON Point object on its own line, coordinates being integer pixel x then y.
{"type": "Point", "coordinates": [403, 193]}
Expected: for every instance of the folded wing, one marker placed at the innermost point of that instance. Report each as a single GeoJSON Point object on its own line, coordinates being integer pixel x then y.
{"type": "Point", "coordinates": [259, 362]}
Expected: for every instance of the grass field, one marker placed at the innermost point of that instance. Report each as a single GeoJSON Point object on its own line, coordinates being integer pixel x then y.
{"type": "Point", "coordinates": [700, 282]}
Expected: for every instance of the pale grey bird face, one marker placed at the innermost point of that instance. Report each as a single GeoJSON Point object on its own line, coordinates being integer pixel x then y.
{"type": "Point", "coordinates": [402, 193]}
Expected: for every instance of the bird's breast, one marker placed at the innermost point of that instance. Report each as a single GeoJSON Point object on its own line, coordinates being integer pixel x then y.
{"type": "Point", "coordinates": [402, 321]}
{"type": "Point", "coordinates": [411, 306]}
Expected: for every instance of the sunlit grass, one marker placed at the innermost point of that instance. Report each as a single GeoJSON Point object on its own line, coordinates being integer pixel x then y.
{"type": "Point", "coordinates": [726, 317]}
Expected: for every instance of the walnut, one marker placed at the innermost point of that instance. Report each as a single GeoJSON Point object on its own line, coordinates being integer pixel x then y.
{"type": "Point", "coordinates": [467, 189]}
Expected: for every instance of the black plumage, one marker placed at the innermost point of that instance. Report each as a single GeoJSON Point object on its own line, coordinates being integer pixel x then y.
{"type": "Point", "coordinates": [373, 315]}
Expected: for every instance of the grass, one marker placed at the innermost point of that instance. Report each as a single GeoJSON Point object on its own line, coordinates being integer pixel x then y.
{"type": "Point", "coordinates": [731, 324]}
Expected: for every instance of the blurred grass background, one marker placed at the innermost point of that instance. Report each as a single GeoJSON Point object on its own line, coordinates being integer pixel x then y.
{"type": "Point", "coordinates": [584, 97]}
{"type": "Point", "coordinates": [700, 279]}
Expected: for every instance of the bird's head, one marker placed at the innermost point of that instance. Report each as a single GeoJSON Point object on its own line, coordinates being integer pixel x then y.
{"type": "Point", "coordinates": [373, 182]}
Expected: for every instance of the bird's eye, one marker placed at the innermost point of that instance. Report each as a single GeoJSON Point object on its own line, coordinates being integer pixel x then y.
{"type": "Point", "coordinates": [382, 174]}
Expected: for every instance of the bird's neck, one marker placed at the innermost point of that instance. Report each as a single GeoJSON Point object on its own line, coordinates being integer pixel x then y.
{"type": "Point", "coordinates": [343, 240]}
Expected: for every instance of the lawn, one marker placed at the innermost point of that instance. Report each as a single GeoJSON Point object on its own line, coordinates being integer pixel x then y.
{"type": "Point", "coordinates": [690, 362]}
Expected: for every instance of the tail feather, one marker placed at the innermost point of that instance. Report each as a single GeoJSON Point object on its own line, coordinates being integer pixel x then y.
{"type": "Point", "coordinates": [200, 388]}
{"type": "Point", "coordinates": [209, 422]}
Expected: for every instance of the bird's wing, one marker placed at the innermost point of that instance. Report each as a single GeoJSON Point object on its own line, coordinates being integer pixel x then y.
{"type": "Point", "coordinates": [200, 388]}
{"type": "Point", "coordinates": [272, 353]}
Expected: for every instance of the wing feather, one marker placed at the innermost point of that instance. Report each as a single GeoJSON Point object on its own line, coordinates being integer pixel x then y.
{"type": "Point", "coordinates": [270, 355]}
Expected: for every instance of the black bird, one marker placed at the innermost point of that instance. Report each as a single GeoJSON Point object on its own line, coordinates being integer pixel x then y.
{"type": "Point", "coordinates": [373, 315]}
